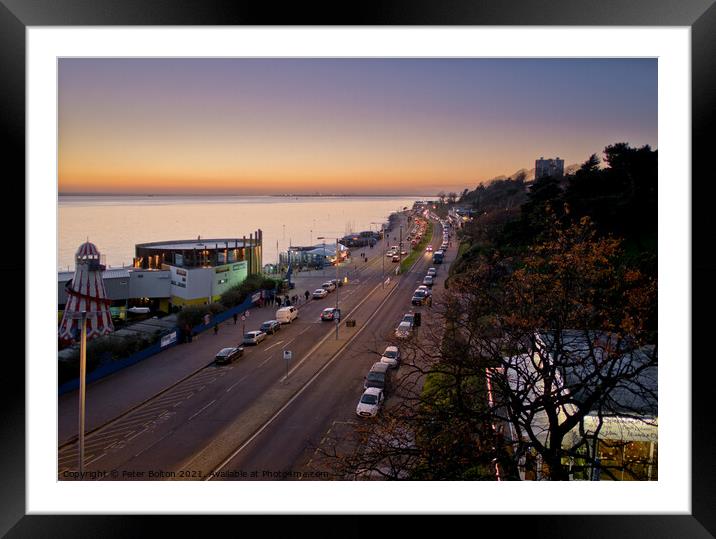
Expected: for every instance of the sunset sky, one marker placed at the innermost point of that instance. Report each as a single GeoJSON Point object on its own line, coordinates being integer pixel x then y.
{"type": "Point", "coordinates": [364, 126]}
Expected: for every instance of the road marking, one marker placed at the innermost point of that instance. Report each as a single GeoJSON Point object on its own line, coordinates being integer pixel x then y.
{"type": "Point", "coordinates": [264, 361]}
{"type": "Point", "coordinates": [237, 383]}
{"type": "Point", "coordinates": [276, 344]}
{"type": "Point", "coordinates": [94, 459]}
{"type": "Point", "coordinates": [137, 434]}
{"type": "Point", "coordinates": [200, 411]}
{"type": "Point", "coordinates": [310, 380]}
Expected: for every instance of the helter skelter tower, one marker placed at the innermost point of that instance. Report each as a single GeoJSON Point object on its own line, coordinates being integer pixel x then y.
{"type": "Point", "coordinates": [86, 292]}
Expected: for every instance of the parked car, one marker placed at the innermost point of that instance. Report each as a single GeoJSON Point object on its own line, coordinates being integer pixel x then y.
{"type": "Point", "coordinates": [428, 281]}
{"type": "Point", "coordinates": [254, 337]}
{"type": "Point", "coordinates": [329, 286]}
{"type": "Point", "coordinates": [227, 355]}
{"type": "Point", "coordinates": [330, 313]}
{"type": "Point", "coordinates": [403, 330]}
{"type": "Point", "coordinates": [370, 402]}
{"type": "Point", "coordinates": [377, 376]}
{"type": "Point", "coordinates": [426, 289]}
{"type": "Point", "coordinates": [319, 293]}
{"type": "Point", "coordinates": [391, 357]}
{"type": "Point", "coordinates": [286, 315]}
{"type": "Point", "coordinates": [409, 317]}
{"type": "Point", "coordinates": [432, 272]}
{"type": "Point", "coordinates": [337, 282]}
{"type": "Point", "coordinates": [270, 326]}
{"type": "Point", "coordinates": [420, 297]}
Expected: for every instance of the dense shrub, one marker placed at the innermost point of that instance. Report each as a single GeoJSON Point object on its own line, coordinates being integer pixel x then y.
{"type": "Point", "coordinates": [192, 315]}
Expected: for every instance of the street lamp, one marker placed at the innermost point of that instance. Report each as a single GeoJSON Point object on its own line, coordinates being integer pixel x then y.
{"type": "Point", "coordinates": [84, 315]}
{"type": "Point", "coordinates": [336, 264]}
{"type": "Point", "coordinates": [382, 256]}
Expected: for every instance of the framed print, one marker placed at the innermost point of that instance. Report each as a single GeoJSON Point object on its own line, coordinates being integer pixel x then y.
{"type": "Point", "coordinates": [302, 156]}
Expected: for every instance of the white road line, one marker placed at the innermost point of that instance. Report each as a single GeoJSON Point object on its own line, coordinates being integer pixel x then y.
{"type": "Point", "coordinates": [200, 411]}
{"type": "Point", "coordinates": [276, 344]}
{"type": "Point", "coordinates": [94, 459]}
{"type": "Point", "coordinates": [304, 331]}
{"type": "Point", "coordinates": [264, 361]}
{"type": "Point", "coordinates": [137, 434]}
{"type": "Point", "coordinates": [237, 383]}
{"type": "Point", "coordinates": [310, 380]}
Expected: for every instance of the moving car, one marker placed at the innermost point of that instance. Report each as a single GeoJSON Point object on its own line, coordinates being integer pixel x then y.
{"type": "Point", "coordinates": [403, 330]}
{"type": "Point", "coordinates": [429, 249]}
{"type": "Point", "coordinates": [330, 313]}
{"type": "Point", "coordinates": [227, 355]}
{"type": "Point", "coordinates": [286, 315]}
{"type": "Point", "coordinates": [377, 376]}
{"type": "Point", "coordinates": [396, 258]}
{"type": "Point", "coordinates": [391, 357]}
{"type": "Point", "coordinates": [254, 337]}
{"type": "Point", "coordinates": [319, 293]}
{"type": "Point", "coordinates": [370, 402]}
{"type": "Point", "coordinates": [428, 281]}
{"type": "Point", "coordinates": [432, 272]}
{"type": "Point", "coordinates": [420, 297]}
{"type": "Point", "coordinates": [270, 326]}
{"type": "Point", "coordinates": [337, 282]}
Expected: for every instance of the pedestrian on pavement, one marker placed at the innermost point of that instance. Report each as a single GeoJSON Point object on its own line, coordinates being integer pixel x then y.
{"type": "Point", "coordinates": [236, 317]}
{"type": "Point", "coordinates": [307, 293]}
{"type": "Point", "coordinates": [216, 329]}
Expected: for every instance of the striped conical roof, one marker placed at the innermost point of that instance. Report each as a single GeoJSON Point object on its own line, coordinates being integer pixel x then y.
{"type": "Point", "coordinates": [86, 292]}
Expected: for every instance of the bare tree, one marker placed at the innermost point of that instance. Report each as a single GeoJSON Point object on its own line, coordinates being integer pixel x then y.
{"type": "Point", "coordinates": [524, 361]}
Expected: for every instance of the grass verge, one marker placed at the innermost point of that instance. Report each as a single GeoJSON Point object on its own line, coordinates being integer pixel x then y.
{"type": "Point", "coordinates": [419, 250]}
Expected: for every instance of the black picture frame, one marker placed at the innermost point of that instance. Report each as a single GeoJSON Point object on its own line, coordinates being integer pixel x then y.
{"type": "Point", "coordinates": [699, 15]}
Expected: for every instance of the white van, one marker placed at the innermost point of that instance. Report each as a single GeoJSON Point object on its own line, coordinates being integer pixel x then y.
{"type": "Point", "coordinates": [286, 315]}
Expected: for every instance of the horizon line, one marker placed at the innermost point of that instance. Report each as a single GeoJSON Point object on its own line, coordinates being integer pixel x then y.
{"type": "Point", "coordinates": [249, 195]}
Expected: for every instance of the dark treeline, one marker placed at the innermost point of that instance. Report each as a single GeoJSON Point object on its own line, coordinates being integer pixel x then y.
{"type": "Point", "coordinates": [620, 198]}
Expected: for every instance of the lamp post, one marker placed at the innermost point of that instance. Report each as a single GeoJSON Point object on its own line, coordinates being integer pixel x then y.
{"type": "Point", "coordinates": [84, 315]}
{"type": "Point", "coordinates": [382, 255]}
{"type": "Point", "coordinates": [336, 264]}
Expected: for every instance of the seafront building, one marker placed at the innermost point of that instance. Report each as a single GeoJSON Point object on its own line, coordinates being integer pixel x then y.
{"type": "Point", "coordinates": [170, 274]}
{"type": "Point", "coordinates": [313, 256]}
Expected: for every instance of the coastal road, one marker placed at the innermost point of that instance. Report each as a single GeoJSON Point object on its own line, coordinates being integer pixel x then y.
{"type": "Point", "coordinates": [325, 411]}
{"type": "Point", "coordinates": [191, 425]}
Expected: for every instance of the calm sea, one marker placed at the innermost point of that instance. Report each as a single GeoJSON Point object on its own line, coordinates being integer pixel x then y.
{"type": "Point", "coordinates": [116, 223]}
